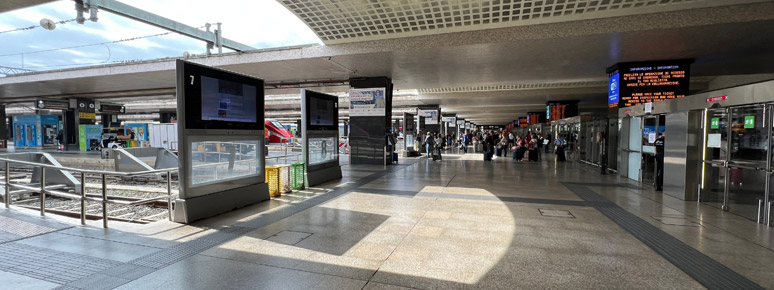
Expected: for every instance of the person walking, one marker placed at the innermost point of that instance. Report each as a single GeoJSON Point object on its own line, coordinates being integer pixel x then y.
{"type": "Point", "coordinates": [438, 149]}
{"type": "Point", "coordinates": [464, 142]}
{"type": "Point", "coordinates": [429, 140]}
{"type": "Point", "coordinates": [560, 144]}
{"type": "Point", "coordinates": [659, 162]}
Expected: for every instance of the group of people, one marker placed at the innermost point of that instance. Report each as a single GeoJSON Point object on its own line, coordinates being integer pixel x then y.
{"type": "Point", "coordinates": [433, 144]}
{"type": "Point", "coordinates": [493, 144]}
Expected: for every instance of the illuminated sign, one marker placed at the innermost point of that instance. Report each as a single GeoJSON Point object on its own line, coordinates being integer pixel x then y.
{"type": "Point", "coordinates": [612, 90]}
{"type": "Point", "coordinates": [749, 122]}
{"type": "Point", "coordinates": [523, 122]}
{"type": "Point", "coordinates": [561, 110]}
{"type": "Point", "coordinates": [536, 118]}
{"type": "Point", "coordinates": [717, 99]}
{"type": "Point", "coordinates": [715, 123]}
{"type": "Point", "coordinates": [635, 83]}
{"type": "Point", "coordinates": [84, 115]}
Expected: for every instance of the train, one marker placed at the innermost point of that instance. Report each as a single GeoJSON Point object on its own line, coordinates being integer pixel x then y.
{"type": "Point", "coordinates": [275, 132]}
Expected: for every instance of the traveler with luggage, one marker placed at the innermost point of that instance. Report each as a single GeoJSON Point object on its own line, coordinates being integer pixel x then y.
{"type": "Point", "coordinates": [429, 145]}
{"type": "Point", "coordinates": [438, 148]}
{"type": "Point", "coordinates": [560, 144]}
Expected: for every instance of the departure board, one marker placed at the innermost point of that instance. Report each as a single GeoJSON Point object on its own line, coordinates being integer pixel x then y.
{"type": "Point", "coordinates": [637, 83]}
{"type": "Point", "coordinates": [523, 122]}
{"type": "Point", "coordinates": [561, 110]}
{"type": "Point", "coordinates": [536, 117]}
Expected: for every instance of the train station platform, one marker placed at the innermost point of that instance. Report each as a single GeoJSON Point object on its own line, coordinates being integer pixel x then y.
{"type": "Point", "coordinates": [460, 223]}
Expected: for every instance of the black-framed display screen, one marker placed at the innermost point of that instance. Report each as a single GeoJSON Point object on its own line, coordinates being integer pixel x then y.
{"type": "Point", "coordinates": [218, 99]}
{"type": "Point", "coordinates": [322, 111]}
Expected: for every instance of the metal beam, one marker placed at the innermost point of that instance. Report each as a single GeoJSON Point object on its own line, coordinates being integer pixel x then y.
{"type": "Point", "coordinates": [165, 23]}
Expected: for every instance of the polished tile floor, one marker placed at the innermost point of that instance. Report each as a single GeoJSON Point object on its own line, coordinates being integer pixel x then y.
{"type": "Point", "coordinates": [456, 224]}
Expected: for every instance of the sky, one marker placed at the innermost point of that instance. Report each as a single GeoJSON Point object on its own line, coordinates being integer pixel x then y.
{"type": "Point", "coordinates": [258, 23]}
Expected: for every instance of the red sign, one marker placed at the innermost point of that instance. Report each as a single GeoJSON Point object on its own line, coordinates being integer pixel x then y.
{"type": "Point", "coordinates": [717, 99]}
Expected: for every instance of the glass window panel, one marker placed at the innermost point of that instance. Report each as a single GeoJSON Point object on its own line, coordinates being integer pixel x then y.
{"type": "Point", "coordinates": [322, 150]}
{"type": "Point", "coordinates": [214, 161]}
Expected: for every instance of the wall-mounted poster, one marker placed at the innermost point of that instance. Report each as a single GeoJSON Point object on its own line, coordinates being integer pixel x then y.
{"type": "Point", "coordinates": [431, 116]}
{"type": "Point", "coordinates": [366, 102]}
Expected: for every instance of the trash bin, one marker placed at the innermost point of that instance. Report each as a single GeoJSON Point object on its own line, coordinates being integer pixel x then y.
{"type": "Point", "coordinates": [272, 179]}
{"type": "Point", "coordinates": [298, 175]}
{"type": "Point", "coordinates": [284, 177]}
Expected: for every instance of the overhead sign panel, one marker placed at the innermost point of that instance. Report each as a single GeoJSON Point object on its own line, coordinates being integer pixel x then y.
{"type": "Point", "coordinates": [635, 83]}
{"type": "Point", "coordinates": [366, 102]}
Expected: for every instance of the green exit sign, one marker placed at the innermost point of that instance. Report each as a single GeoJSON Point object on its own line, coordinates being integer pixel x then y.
{"type": "Point", "coordinates": [749, 122]}
{"type": "Point", "coordinates": [715, 123]}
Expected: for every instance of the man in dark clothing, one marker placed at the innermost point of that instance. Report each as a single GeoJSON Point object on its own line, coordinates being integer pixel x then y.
{"type": "Point", "coordinates": [659, 162]}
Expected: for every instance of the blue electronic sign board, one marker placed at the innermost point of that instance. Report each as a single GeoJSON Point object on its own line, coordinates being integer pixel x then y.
{"type": "Point", "coordinates": [613, 85]}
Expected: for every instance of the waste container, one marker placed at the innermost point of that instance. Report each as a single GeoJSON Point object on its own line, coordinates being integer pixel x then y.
{"type": "Point", "coordinates": [273, 180]}
{"type": "Point", "coordinates": [285, 172]}
{"type": "Point", "coordinates": [298, 175]}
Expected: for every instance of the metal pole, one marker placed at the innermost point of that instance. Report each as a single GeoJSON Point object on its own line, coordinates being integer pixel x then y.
{"type": "Point", "coordinates": [7, 184]}
{"type": "Point", "coordinates": [42, 191]}
{"type": "Point", "coordinates": [768, 213]}
{"type": "Point", "coordinates": [104, 202]}
{"type": "Point", "coordinates": [760, 210]}
{"type": "Point", "coordinates": [169, 194]}
{"type": "Point", "coordinates": [83, 198]}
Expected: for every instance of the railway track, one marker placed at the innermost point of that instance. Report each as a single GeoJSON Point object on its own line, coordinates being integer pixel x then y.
{"type": "Point", "coordinates": [118, 189]}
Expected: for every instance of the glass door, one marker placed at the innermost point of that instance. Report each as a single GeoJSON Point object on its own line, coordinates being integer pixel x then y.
{"type": "Point", "coordinates": [635, 148]}
{"type": "Point", "coordinates": [747, 164]}
{"type": "Point", "coordinates": [649, 135]}
{"type": "Point", "coordinates": [715, 158]}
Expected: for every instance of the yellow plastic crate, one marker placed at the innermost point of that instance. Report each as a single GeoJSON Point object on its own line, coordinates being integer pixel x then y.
{"type": "Point", "coordinates": [273, 180]}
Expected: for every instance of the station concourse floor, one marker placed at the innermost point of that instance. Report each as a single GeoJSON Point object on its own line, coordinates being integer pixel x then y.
{"type": "Point", "coordinates": [460, 223]}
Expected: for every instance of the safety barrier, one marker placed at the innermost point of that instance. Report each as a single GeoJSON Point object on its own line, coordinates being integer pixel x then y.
{"type": "Point", "coordinates": [80, 192]}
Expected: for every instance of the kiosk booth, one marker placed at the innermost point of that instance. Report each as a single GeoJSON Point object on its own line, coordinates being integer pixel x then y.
{"type": "Point", "coordinates": [320, 128]}
{"type": "Point", "coordinates": [35, 131]}
{"type": "Point", "coordinates": [221, 114]}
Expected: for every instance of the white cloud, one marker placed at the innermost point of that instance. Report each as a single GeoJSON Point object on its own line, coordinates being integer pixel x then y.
{"type": "Point", "coordinates": [253, 22]}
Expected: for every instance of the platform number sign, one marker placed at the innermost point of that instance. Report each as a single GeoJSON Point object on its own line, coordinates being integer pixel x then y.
{"type": "Point", "coordinates": [715, 123]}
{"type": "Point", "coordinates": [749, 122]}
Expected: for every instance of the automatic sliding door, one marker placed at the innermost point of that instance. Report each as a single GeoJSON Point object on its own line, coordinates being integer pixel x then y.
{"type": "Point", "coordinates": [747, 166]}
{"type": "Point", "coordinates": [635, 148]}
{"type": "Point", "coordinates": [715, 158]}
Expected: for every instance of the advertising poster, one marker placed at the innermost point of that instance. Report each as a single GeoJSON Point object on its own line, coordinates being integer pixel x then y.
{"type": "Point", "coordinates": [366, 102]}
{"type": "Point", "coordinates": [452, 121]}
{"type": "Point", "coordinates": [431, 116]}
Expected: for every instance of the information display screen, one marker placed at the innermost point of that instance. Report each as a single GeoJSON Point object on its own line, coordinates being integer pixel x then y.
{"type": "Point", "coordinates": [217, 99]}
{"type": "Point", "coordinates": [561, 110]}
{"type": "Point", "coordinates": [229, 101]}
{"type": "Point", "coordinates": [523, 122]}
{"type": "Point", "coordinates": [322, 111]}
{"type": "Point", "coordinates": [637, 83]}
{"type": "Point", "coordinates": [536, 118]}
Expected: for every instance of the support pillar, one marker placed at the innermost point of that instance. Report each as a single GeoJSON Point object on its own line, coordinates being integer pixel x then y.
{"type": "Point", "coordinates": [367, 139]}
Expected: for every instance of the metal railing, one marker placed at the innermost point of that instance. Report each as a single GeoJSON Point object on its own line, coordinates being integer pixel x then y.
{"type": "Point", "coordinates": [43, 190]}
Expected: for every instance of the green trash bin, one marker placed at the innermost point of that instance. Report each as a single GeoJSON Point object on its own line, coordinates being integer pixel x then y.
{"type": "Point", "coordinates": [298, 175]}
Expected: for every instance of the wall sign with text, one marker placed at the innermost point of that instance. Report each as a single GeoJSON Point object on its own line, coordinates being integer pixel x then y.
{"type": "Point", "coordinates": [635, 83]}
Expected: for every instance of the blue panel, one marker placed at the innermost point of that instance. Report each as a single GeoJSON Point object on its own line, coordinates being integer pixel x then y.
{"type": "Point", "coordinates": [613, 89]}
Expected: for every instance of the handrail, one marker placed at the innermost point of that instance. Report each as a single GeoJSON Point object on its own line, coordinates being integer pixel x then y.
{"type": "Point", "coordinates": [92, 171]}
{"type": "Point", "coordinates": [51, 190]}
{"type": "Point", "coordinates": [43, 190]}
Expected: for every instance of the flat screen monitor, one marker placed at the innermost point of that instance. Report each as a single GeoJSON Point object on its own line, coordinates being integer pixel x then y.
{"type": "Point", "coordinates": [322, 111]}
{"type": "Point", "coordinates": [218, 99]}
